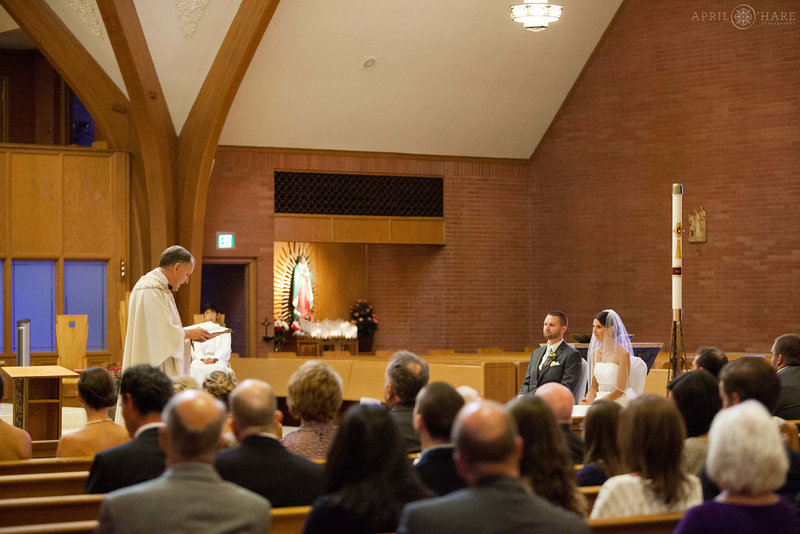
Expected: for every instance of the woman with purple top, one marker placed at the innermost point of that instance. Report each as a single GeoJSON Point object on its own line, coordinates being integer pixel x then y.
{"type": "Point", "coordinates": [748, 461]}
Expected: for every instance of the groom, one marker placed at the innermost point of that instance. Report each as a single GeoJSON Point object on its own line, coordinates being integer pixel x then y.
{"type": "Point", "coordinates": [554, 362]}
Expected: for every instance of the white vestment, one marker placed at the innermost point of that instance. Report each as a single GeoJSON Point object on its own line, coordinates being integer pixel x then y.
{"type": "Point", "coordinates": [218, 348]}
{"type": "Point", "coordinates": [155, 334]}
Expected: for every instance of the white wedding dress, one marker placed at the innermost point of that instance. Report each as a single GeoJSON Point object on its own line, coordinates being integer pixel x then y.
{"type": "Point", "coordinates": [606, 374]}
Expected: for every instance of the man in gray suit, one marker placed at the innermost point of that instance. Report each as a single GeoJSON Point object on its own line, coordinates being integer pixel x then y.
{"type": "Point", "coordinates": [190, 496]}
{"type": "Point", "coordinates": [488, 449]}
{"type": "Point", "coordinates": [786, 360]}
{"type": "Point", "coordinates": [554, 362]}
{"type": "Point", "coordinates": [406, 374]}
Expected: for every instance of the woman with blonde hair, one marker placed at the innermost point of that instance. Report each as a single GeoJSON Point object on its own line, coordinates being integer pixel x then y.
{"type": "Point", "coordinates": [96, 393]}
{"type": "Point", "coordinates": [650, 438]}
{"type": "Point", "coordinates": [748, 461]}
{"type": "Point", "coordinates": [314, 397]}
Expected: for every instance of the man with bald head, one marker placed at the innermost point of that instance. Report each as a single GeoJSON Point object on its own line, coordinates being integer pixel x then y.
{"type": "Point", "coordinates": [488, 450]}
{"type": "Point", "coordinates": [190, 496]}
{"type": "Point", "coordinates": [561, 401]}
{"type": "Point", "coordinates": [262, 464]}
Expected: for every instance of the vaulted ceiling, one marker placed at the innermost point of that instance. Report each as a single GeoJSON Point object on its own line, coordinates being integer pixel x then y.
{"type": "Point", "coordinates": [450, 77]}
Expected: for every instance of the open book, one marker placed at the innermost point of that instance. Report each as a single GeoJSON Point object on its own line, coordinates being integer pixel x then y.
{"type": "Point", "coordinates": [212, 328]}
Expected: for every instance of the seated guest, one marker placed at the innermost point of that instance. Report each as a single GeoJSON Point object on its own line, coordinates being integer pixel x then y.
{"type": "Point", "coordinates": [710, 359]}
{"type": "Point", "coordinates": [15, 443]}
{"type": "Point", "coordinates": [754, 378]}
{"type": "Point", "coordinates": [468, 393]}
{"type": "Point", "coordinates": [261, 464]}
{"type": "Point", "coordinates": [488, 450]}
{"type": "Point", "coordinates": [184, 382]}
{"type": "Point", "coordinates": [314, 397]}
{"type": "Point", "coordinates": [786, 361]}
{"type": "Point", "coordinates": [212, 355]}
{"type": "Point", "coordinates": [145, 391]}
{"type": "Point", "coordinates": [436, 408]}
{"type": "Point", "coordinates": [406, 374]}
{"type": "Point", "coordinates": [601, 452]}
{"type": "Point", "coordinates": [368, 476]}
{"type": "Point", "coordinates": [696, 394]}
{"type": "Point", "coordinates": [561, 400]}
{"type": "Point", "coordinates": [219, 385]}
{"type": "Point", "coordinates": [747, 460]}
{"type": "Point", "coordinates": [651, 438]}
{"type": "Point", "coordinates": [190, 496]}
{"type": "Point", "coordinates": [96, 393]}
{"type": "Point", "coordinates": [545, 466]}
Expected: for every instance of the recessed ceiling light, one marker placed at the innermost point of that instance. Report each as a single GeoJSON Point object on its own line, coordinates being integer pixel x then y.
{"type": "Point", "coordinates": [369, 62]}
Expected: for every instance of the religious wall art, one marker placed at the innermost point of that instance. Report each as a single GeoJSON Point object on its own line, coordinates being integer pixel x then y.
{"type": "Point", "coordinates": [293, 283]}
{"type": "Point", "coordinates": [697, 225]}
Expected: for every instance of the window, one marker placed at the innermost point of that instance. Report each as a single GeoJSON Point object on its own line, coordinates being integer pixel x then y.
{"type": "Point", "coordinates": [33, 296]}
{"type": "Point", "coordinates": [85, 294]}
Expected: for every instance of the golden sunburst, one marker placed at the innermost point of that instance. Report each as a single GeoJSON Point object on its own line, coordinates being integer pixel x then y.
{"type": "Point", "coordinates": [283, 271]}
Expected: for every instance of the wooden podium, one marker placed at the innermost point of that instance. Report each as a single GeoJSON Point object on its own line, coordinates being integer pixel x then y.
{"type": "Point", "coordinates": [38, 399]}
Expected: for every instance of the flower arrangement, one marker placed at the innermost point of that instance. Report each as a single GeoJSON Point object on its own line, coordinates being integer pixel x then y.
{"type": "Point", "coordinates": [362, 315]}
{"type": "Point", "coordinates": [116, 374]}
{"type": "Point", "coordinates": [280, 331]}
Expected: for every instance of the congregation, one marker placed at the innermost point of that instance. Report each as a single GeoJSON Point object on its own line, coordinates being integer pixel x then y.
{"type": "Point", "coordinates": [214, 455]}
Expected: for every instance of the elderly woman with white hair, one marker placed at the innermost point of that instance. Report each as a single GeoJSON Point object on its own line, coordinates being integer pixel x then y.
{"type": "Point", "coordinates": [748, 461]}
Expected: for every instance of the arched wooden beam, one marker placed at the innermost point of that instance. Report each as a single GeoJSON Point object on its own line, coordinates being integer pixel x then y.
{"type": "Point", "coordinates": [103, 99]}
{"type": "Point", "coordinates": [198, 140]}
{"type": "Point", "coordinates": [150, 116]}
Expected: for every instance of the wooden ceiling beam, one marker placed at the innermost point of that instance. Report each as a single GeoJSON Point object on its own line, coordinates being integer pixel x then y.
{"type": "Point", "coordinates": [107, 104]}
{"type": "Point", "coordinates": [199, 137]}
{"type": "Point", "coordinates": [151, 118]}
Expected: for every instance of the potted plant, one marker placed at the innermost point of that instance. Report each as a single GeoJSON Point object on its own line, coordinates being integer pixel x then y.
{"type": "Point", "coordinates": [363, 316]}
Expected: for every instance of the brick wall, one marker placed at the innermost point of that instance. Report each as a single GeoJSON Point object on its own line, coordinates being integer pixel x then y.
{"type": "Point", "coordinates": [473, 292]}
{"type": "Point", "coordinates": [670, 99]}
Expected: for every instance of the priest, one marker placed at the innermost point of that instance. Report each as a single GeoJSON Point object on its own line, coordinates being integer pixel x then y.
{"type": "Point", "coordinates": [155, 334]}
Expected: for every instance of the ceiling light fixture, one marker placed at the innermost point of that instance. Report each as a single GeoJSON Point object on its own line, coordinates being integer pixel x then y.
{"type": "Point", "coordinates": [535, 16]}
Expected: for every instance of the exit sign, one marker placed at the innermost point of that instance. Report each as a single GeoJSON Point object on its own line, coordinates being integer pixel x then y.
{"type": "Point", "coordinates": [224, 240]}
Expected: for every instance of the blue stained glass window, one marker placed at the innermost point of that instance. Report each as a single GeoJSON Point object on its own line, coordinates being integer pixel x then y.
{"type": "Point", "coordinates": [33, 296]}
{"type": "Point", "coordinates": [85, 294]}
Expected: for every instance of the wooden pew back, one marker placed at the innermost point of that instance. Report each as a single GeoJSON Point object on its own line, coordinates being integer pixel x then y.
{"type": "Point", "coordinates": [45, 465]}
{"type": "Point", "coordinates": [43, 484]}
{"type": "Point", "coordinates": [640, 524]}
{"type": "Point", "coordinates": [62, 508]}
{"type": "Point", "coordinates": [288, 520]}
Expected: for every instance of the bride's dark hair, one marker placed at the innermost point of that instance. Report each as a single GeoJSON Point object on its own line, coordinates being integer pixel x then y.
{"type": "Point", "coordinates": [602, 317]}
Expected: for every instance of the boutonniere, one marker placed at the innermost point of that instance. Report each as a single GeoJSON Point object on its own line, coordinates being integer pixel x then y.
{"type": "Point", "coordinates": [551, 357]}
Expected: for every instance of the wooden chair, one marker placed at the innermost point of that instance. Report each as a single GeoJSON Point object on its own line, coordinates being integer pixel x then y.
{"type": "Point", "coordinates": [72, 331]}
{"type": "Point", "coordinates": [43, 484]}
{"type": "Point", "coordinates": [640, 524]}
{"type": "Point", "coordinates": [60, 509]}
{"type": "Point", "coordinates": [288, 520]}
{"type": "Point", "coordinates": [45, 465]}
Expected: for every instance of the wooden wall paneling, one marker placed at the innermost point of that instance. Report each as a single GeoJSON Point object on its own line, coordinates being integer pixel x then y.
{"type": "Point", "coordinates": [361, 230]}
{"type": "Point", "coordinates": [340, 278]}
{"type": "Point", "coordinates": [417, 231]}
{"type": "Point", "coordinates": [4, 203]}
{"type": "Point", "coordinates": [197, 142]}
{"type": "Point", "coordinates": [36, 204]}
{"type": "Point", "coordinates": [117, 284]}
{"type": "Point", "coordinates": [88, 227]}
{"type": "Point", "coordinates": [314, 228]}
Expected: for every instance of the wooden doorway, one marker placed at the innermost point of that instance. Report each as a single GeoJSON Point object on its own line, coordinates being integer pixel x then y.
{"type": "Point", "coordinates": [230, 283]}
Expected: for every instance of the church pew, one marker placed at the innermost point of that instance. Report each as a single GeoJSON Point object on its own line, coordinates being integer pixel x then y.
{"type": "Point", "coordinates": [58, 509]}
{"type": "Point", "coordinates": [43, 484]}
{"type": "Point", "coordinates": [640, 524]}
{"type": "Point", "coordinates": [590, 493]}
{"type": "Point", "coordinates": [288, 520]}
{"type": "Point", "coordinates": [45, 465]}
{"type": "Point", "coordinates": [45, 448]}
{"type": "Point", "coordinates": [75, 527]}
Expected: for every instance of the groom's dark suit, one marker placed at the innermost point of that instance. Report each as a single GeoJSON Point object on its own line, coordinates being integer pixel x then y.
{"type": "Point", "coordinates": [565, 369]}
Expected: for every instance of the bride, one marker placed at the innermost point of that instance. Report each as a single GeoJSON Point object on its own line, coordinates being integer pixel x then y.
{"type": "Point", "coordinates": [610, 353]}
